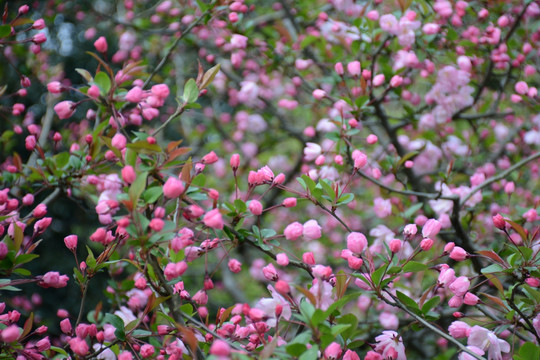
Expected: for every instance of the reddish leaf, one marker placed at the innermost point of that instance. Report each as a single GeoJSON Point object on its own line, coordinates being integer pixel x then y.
{"type": "Point", "coordinates": [495, 299]}
{"type": "Point", "coordinates": [307, 294]}
{"type": "Point", "coordinates": [492, 255]}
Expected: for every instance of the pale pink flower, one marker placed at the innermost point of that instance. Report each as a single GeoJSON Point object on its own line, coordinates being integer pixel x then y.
{"type": "Point", "coordinates": [389, 342]}
{"type": "Point", "coordinates": [488, 341]}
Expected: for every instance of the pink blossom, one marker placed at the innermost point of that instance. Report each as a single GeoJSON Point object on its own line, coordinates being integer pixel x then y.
{"type": "Point", "coordinates": [173, 188]}
{"type": "Point", "coordinates": [71, 242]}
{"type": "Point", "coordinates": [255, 207]}
{"type": "Point", "coordinates": [53, 279]}
{"type": "Point", "coordinates": [10, 334]}
{"type": "Point", "coordinates": [101, 44]}
{"type": "Point", "coordinates": [356, 242]}
{"type": "Point", "coordinates": [213, 219]}
{"type": "Point", "coordinates": [282, 259]}
{"type": "Point", "coordinates": [488, 341]}
{"type": "Point", "coordinates": [460, 286]}
{"type": "Point", "coordinates": [332, 351]}
{"type": "Point", "coordinates": [458, 254]}
{"type": "Point", "coordinates": [220, 348]}
{"type": "Point", "coordinates": [382, 207]}
{"type": "Point", "coordinates": [311, 230]}
{"type": "Point", "coordinates": [389, 342]}
{"type": "Point", "coordinates": [459, 329]}
{"type": "Point", "coordinates": [431, 228]}
{"type": "Point", "coordinates": [65, 109]}
{"type": "Point", "coordinates": [293, 231]}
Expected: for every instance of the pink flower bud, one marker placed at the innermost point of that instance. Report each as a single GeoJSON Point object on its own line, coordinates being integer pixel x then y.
{"type": "Point", "coordinates": [93, 92]}
{"type": "Point", "coordinates": [354, 68]}
{"type": "Point", "coordinates": [135, 95]}
{"type": "Point", "coordinates": [156, 224]}
{"type": "Point", "coordinates": [319, 94]}
{"type": "Point", "coordinates": [128, 174]}
{"type": "Point", "coordinates": [332, 351]}
{"type": "Point", "coordinates": [255, 207]}
{"type": "Point", "coordinates": [338, 67]}
{"type": "Point", "coordinates": [24, 9]}
{"type": "Point", "coordinates": [458, 254]}
{"type": "Point", "coordinates": [396, 81]}
{"type": "Point", "coordinates": [360, 159]}
{"type": "Point", "coordinates": [270, 272]}
{"type": "Point", "coordinates": [65, 109]}
{"type": "Point", "coordinates": [210, 158]}
{"type": "Point", "coordinates": [279, 179]}
{"type": "Point", "coordinates": [431, 228]}
{"type": "Point", "coordinates": [39, 24]}
{"type": "Point", "coordinates": [449, 247]}
{"type": "Point", "coordinates": [354, 262]}
{"type": "Point", "coordinates": [471, 299]}
{"type": "Point", "coordinates": [119, 141]}
{"type": "Point", "coordinates": [459, 329]}
{"type": "Point", "coordinates": [54, 87]}
{"type": "Point", "coordinates": [378, 80]}
{"type": "Point", "coordinates": [39, 38]}
{"type": "Point", "coordinates": [213, 219]}
{"type": "Point", "coordinates": [312, 230]}
{"type": "Point", "coordinates": [101, 44]}
{"type": "Point", "coordinates": [173, 188]}
{"type": "Point", "coordinates": [293, 231]}
{"type": "Point", "coordinates": [521, 87]}
{"type": "Point", "coordinates": [160, 90]}
{"type": "Point", "coordinates": [395, 245]}
{"type": "Point", "coordinates": [289, 202]}
{"type": "Point", "coordinates": [30, 142]}
{"type": "Point", "coordinates": [282, 259]}
{"type": "Point", "coordinates": [426, 244]}
{"type": "Point", "coordinates": [282, 287]}
{"type": "Point", "coordinates": [356, 242]}
{"type": "Point", "coordinates": [71, 242]}
{"type": "Point", "coordinates": [533, 282]}
{"type": "Point", "coordinates": [234, 266]}
{"type": "Point", "coordinates": [220, 348]}
{"type": "Point", "coordinates": [11, 333]}
{"type": "Point", "coordinates": [308, 258]}
{"type": "Point", "coordinates": [460, 286]}
{"type": "Point", "coordinates": [235, 161]}
{"type": "Point", "coordinates": [499, 222]}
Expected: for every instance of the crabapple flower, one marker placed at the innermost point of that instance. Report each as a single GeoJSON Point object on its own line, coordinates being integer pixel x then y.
{"type": "Point", "coordinates": [488, 341]}
{"type": "Point", "coordinates": [293, 231]}
{"type": "Point", "coordinates": [332, 351]}
{"type": "Point", "coordinates": [459, 329]}
{"type": "Point", "coordinates": [382, 207]}
{"type": "Point", "coordinates": [389, 342]}
{"type": "Point", "coordinates": [460, 286]}
{"type": "Point", "coordinates": [431, 228]}
{"type": "Point", "coordinates": [65, 109]}
{"type": "Point", "coordinates": [269, 306]}
{"type": "Point", "coordinates": [312, 151]}
{"type": "Point", "coordinates": [311, 230]}
{"type": "Point", "coordinates": [173, 188]}
{"type": "Point", "coordinates": [458, 254]}
{"type": "Point", "coordinates": [11, 333]}
{"type": "Point", "coordinates": [356, 242]}
{"type": "Point", "coordinates": [213, 219]}
{"type": "Point", "coordinates": [101, 44]}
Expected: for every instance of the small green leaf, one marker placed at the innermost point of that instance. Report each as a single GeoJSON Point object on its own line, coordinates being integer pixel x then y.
{"type": "Point", "coordinates": [137, 188]}
{"type": "Point", "coordinates": [209, 76]}
{"type": "Point", "coordinates": [412, 210]}
{"type": "Point", "coordinates": [103, 82]}
{"type": "Point", "coordinates": [410, 303]}
{"type": "Point", "coordinates": [493, 268]}
{"type": "Point", "coordinates": [377, 275]}
{"type": "Point", "coordinates": [5, 31]}
{"type": "Point", "coordinates": [191, 92]}
{"type": "Point", "coordinates": [151, 195]}
{"type": "Point", "coordinates": [345, 199]}
{"type": "Point", "coordinates": [118, 324]}
{"type": "Point", "coordinates": [430, 304]}
{"type": "Point", "coordinates": [413, 266]}
{"type": "Point", "coordinates": [327, 187]}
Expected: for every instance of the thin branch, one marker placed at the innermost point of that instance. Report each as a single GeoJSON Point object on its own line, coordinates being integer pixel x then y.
{"type": "Point", "coordinates": [498, 177]}
{"type": "Point", "coordinates": [176, 42]}
{"type": "Point", "coordinates": [399, 304]}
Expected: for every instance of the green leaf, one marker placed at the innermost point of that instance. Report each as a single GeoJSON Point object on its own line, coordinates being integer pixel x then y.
{"type": "Point", "coordinates": [410, 303]}
{"type": "Point", "coordinates": [103, 82]}
{"type": "Point", "coordinates": [59, 350]}
{"type": "Point", "coordinates": [5, 31]}
{"type": "Point", "coordinates": [310, 354]}
{"type": "Point", "coordinates": [85, 74]}
{"type": "Point", "coordinates": [413, 266]}
{"type": "Point", "coordinates": [240, 206]}
{"type": "Point", "coordinates": [412, 210]}
{"type": "Point", "coordinates": [296, 349]}
{"type": "Point", "coordinates": [338, 329]}
{"type": "Point", "coordinates": [191, 91]}
{"type": "Point", "coordinates": [209, 76]}
{"type": "Point", "coordinates": [345, 199]}
{"type": "Point", "coordinates": [327, 187]}
{"type": "Point", "coordinates": [493, 268]}
{"type": "Point", "coordinates": [377, 275]}
{"type": "Point", "coordinates": [430, 304]}
{"type": "Point", "coordinates": [151, 195]}
{"type": "Point", "coordinates": [118, 324]}
{"type": "Point", "coordinates": [144, 147]}
{"type": "Point", "coordinates": [90, 259]}
{"type": "Point", "coordinates": [25, 258]}
{"type": "Point", "coordinates": [137, 188]}
{"type": "Point", "coordinates": [528, 351]}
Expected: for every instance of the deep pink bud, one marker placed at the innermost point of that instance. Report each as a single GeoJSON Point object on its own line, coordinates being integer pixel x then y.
{"type": "Point", "coordinates": [282, 259]}
{"type": "Point", "coordinates": [426, 244]}
{"type": "Point", "coordinates": [213, 219]}
{"type": "Point", "coordinates": [270, 273]}
{"type": "Point", "coordinates": [293, 231]}
{"type": "Point", "coordinates": [255, 207]}
{"type": "Point", "coordinates": [354, 68]}
{"type": "Point", "coordinates": [234, 266]}
{"type": "Point", "coordinates": [332, 351]}
{"type": "Point", "coordinates": [458, 254]}
{"type": "Point", "coordinates": [173, 188]}
{"type": "Point", "coordinates": [339, 69]}
{"type": "Point", "coordinates": [101, 44]}
{"type": "Point", "coordinates": [38, 24]}
{"type": "Point", "coordinates": [71, 242]}
{"type": "Point", "coordinates": [128, 174]}
{"type": "Point", "coordinates": [220, 348]}
{"type": "Point", "coordinates": [395, 245]}
{"type": "Point", "coordinates": [282, 287]}
{"type": "Point", "coordinates": [356, 242]}
{"type": "Point", "coordinates": [235, 161]}
{"type": "Point", "coordinates": [431, 228]}
{"type": "Point", "coordinates": [210, 158]}
{"type": "Point", "coordinates": [135, 95]}
{"type": "Point", "coordinates": [499, 222]}
{"type": "Point", "coordinates": [289, 202]}
{"type": "Point", "coordinates": [39, 38]}
{"type": "Point", "coordinates": [65, 109]}
{"type": "Point", "coordinates": [308, 258]}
